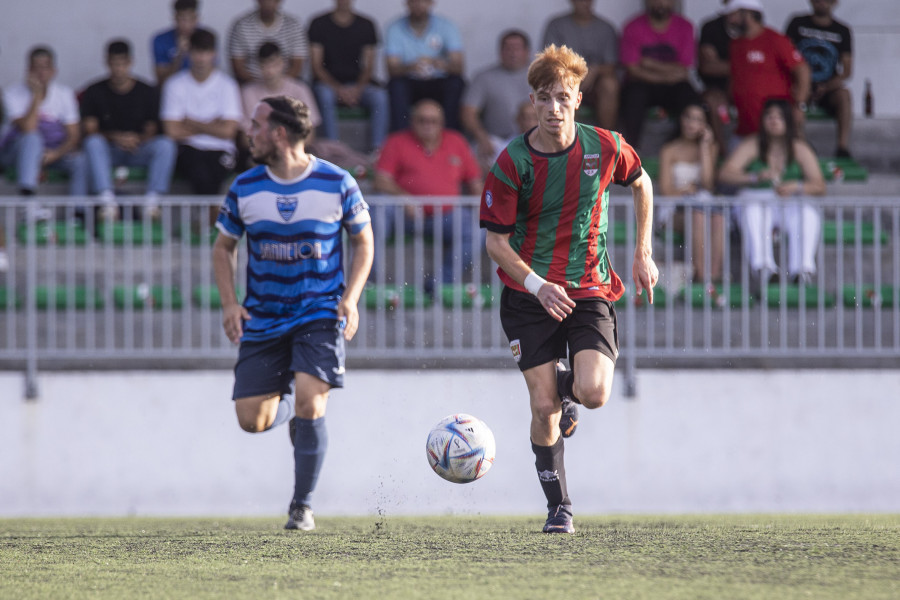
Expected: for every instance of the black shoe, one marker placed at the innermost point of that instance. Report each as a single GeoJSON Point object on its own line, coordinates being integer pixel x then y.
{"type": "Point", "coordinates": [842, 153]}
{"type": "Point", "coordinates": [300, 517]}
{"type": "Point", "coordinates": [568, 420]}
{"type": "Point", "coordinates": [559, 520]}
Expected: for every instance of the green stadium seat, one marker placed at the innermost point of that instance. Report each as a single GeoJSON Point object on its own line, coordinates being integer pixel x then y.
{"type": "Point", "coordinates": [54, 232]}
{"type": "Point", "coordinates": [817, 113]}
{"type": "Point", "coordinates": [207, 296]}
{"type": "Point", "coordinates": [843, 169]}
{"type": "Point", "coordinates": [696, 294]}
{"type": "Point", "coordinates": [617, 232]}
{"type": "Point", "coordinates": [348, 113]}
{"type": "Point", "coordinates": [195, 236]}
{"type": "Point", "coordinates": [8, 296]}
{"type": "Point", "coordinates": [651, 165]}
{"type": "Point", "coordinates": [792, 296]}
{"type": "Point", "coordinates": [48, 175]}
{"type": "Point", "coordinates": [848, 233]}
{"type": "Point", "coordinates": [468, 295]}
{"type": "Point", "coordinates": [389, 296]}
{"type": "Point", "coordinates": [139, 296]}
{"type": "Point", "coordinates": [63, 297]}
{"type": "Point", "coordinates": [868, 296]}
{"type": "Point", "coordinates": [121, 232]}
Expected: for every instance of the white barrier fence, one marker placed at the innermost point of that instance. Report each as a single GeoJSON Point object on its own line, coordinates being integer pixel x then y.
{"type": "Point", "coordinates": [81, 292]}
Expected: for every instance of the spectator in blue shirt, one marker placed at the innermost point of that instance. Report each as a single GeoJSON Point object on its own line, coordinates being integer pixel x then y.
{"type": "Point", "coordinates": [171, 48]}
{"type": "Point", "coordinates": [424, 59]}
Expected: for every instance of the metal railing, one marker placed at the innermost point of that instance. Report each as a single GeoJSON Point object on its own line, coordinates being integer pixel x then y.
{"type": "Point", "coordinates": [87, 294]}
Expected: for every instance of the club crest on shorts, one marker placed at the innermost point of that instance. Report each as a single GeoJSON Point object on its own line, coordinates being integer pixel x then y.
{"type": "Point", "coordinates": [286, 206]}
{"type": "Point", "coordinates": [590, 164]}
{"type": "Point", "coordinates": [516, 347]}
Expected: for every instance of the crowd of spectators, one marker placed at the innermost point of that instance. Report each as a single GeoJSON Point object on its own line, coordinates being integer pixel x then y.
{"type": "Point", "coordinates": [192, 120]}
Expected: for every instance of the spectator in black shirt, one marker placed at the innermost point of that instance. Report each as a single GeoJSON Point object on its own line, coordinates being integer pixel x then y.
{"type": "Point", "coordinates": [714, 69]}
{"type": "Point", "coordinates": [342, 45]}
{"type": "Point", "coordinates": [827, 46]}
{"type": "Point", "coordinates": [120, 120]}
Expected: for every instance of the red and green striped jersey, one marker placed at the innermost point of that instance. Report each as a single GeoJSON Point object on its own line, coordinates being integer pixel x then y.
{"type": "Point", "coordinates": [554, 206]}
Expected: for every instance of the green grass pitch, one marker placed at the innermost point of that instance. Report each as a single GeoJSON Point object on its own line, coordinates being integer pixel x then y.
{"type": "Point", "coordinates": [690, 557]}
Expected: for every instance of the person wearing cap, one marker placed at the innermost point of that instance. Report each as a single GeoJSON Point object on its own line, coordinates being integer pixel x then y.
{"type": "Point", "coordinates": [764, 64]}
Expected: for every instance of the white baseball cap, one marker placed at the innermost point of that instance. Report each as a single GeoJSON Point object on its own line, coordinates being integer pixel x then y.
{"type": "Point", "coordinates": [734, 5]}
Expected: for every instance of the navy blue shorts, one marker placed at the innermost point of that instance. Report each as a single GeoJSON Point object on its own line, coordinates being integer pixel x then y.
{"type": "Point", "coordinates": [536, 338]}
{"type": "Point", "coordinates": [268, 366]}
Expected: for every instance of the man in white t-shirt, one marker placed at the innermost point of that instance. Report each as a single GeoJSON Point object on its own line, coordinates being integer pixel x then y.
{"type": "Point", "coordinates": [43, 127]}
{"type": "Point", "coordinates": [201, 110]}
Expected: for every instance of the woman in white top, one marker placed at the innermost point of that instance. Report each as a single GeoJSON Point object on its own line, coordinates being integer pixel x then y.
{"type": "Point", "coordinates": [778, 172]}
{"type": "Point", "coordinates": [687, 169]}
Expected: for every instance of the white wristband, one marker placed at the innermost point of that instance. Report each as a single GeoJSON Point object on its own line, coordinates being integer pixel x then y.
{"type": "Point", "coordinates": [533, 282]}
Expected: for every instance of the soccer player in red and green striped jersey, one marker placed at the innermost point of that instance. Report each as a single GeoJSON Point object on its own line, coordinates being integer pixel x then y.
{"type": "Point", "coordinates": [544, 206]}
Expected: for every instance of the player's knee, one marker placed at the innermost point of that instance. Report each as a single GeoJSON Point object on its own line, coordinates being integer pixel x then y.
{"type": "Point", "coordinates": [252, 421]}
{"type": "Point", "coordinates": [593, 396]}
{"type": "Point", "coordinates": [252, 425]}
{"type": "Point", "coordinates": [544, 409]}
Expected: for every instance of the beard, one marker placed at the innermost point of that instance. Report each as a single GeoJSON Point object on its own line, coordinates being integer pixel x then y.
{"type": "Point", "coordinates": [659, 13]}
{"type": "Point", "coordinates": [262, 158]}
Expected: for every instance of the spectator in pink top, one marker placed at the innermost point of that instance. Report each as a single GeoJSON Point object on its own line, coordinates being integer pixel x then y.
{"type": "Point", "coordinates": [657, 51]}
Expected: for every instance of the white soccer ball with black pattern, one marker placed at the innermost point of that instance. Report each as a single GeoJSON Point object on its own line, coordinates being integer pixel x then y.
{"type": "Point", "coordinates": [461, 448]}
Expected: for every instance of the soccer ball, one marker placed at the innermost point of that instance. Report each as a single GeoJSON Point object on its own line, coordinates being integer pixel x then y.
{"type": "Point", "coordinates": [460, 448]}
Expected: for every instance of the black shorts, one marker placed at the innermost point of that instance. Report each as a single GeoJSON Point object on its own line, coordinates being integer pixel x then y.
{"type": "Point", "coordinates": [536, 338]}
{"type": "Point", "coordinates": [268, 366]}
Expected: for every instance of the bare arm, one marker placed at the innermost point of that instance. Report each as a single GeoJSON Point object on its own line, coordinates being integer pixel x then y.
{"type": "Point", "coordinates": [666, 160]}
{"type": "Point", "coordinates": [317, 63]}
{"type": "Point", "coordinates": [644, 270]}
{"type": "Point", "coordinates": [813, 183]}
{"type": "Point", "coordinates": [362, 252]}
{"type": "Point", "coordinates": [653, 71]}
{"type": "Point", "coordinates": [29, 121]}
{"type": "Point", "coordinates": [552, 297]}
{"type": "Point", "coordinates": [733, 171]}
{"type": "Point", "coordinates": [239, 68]}
{"type": "Point", "coordinates": [295, 67]}
{"type": "Point", "coordinates": [224, 129]}
{"type": "Point", "coordinates": [801, 82]}
{"type": "Point", "coordinates": [396, 68]}
{"type": "Point", "coordinates": [224, 257]}
{"type": "Point", "coordinates": [366, 65]}
{"type": "Point", "coordinates": [710, 65]}
{"type": "Point", "coordinates": [454, 63]}
{"type": "Point", "coordinates": [386, 184]}
{"type": "Point", "coordinates": [73, 137]}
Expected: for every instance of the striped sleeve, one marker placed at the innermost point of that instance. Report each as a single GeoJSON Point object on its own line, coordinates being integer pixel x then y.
{"type": "Point", "coordinates": [628, 164]}
{"type": "Point", "coordinates": [500, 197]}
{"type": "Point", "coordinates": [229, 220]}
{"type": "Point", "coordinates": [354, 206]}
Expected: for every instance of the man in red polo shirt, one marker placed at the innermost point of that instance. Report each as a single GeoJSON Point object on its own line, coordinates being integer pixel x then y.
{"type": "Point", "coordinates": [764, 65]}
{"type": "Point", "coordinates": [429, 160]}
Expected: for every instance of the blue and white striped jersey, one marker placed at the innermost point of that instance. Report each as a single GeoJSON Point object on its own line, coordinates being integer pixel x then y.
{"type": "Point", "coordinates": [295, 269]}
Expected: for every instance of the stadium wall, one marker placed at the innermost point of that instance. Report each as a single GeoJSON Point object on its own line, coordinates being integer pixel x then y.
{"type": "Point", "coordinates": [79, 29]}
{"type": "Point", "coordinates": [693, 441]}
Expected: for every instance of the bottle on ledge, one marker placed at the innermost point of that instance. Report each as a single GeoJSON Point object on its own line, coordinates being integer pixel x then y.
{"type": "Point", "coordinates": [868, 103]}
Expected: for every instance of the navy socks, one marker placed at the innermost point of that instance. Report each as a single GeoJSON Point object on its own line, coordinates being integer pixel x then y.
{"type": "Point", "coordinates": [551, 471]}
{"type": "Point", "coordinates": [285, 411]}
{"type": "Point", "coordinates": [310, 442]}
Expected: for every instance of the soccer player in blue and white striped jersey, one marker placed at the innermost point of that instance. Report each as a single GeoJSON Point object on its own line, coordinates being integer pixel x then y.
{"type": "Point", "coordinates": [301, 306]}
